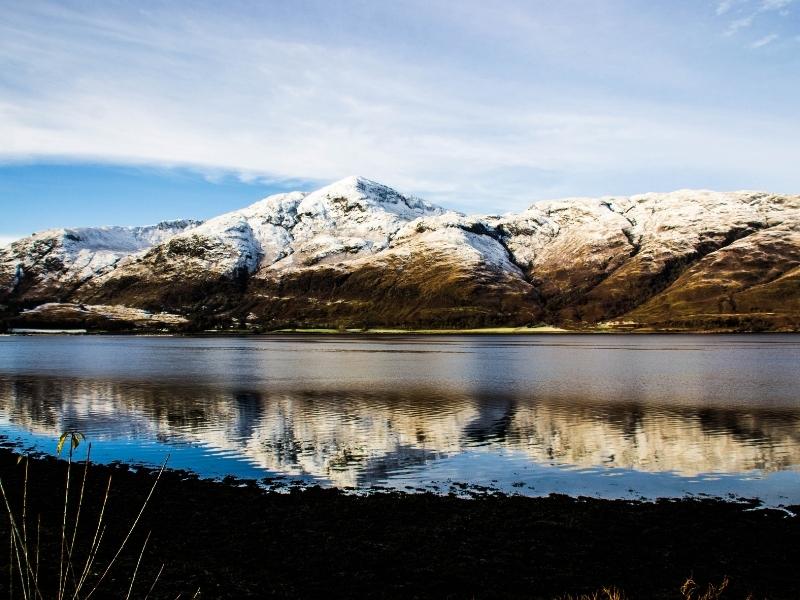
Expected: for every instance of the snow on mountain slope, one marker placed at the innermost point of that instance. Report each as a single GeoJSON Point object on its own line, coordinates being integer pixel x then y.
{"type": "Point", "coordinates": [55, 262]}
{"type": "Point", "coordinates": [445, 268]}
{"type": "Point", "coordinates": [468, 239]}
{"type": "Point", "coordinates": [357, 251]}
{"type": "Point", "coordinates": [758, 276]}
{"type": "Point", "coordinates": [238, 240]}
{"type": "Point", "coordinates": [351, 218]}
{"type": "Point", "coordinates": [594, 257]}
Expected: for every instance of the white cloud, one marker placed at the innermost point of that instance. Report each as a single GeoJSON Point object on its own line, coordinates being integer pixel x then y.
{"type": "Point", "coordinates": [767, 39]}
{"type": "Point", "coordinates": [737, 24]}
{"type": "Point", "coordinates": [774, 5]}
{"type": "Point", "coordinates": [764, 6]}
{"type": "Point", "coordinates": [224, 94]}
{"type": "Point", "coordinates": [724, 6]}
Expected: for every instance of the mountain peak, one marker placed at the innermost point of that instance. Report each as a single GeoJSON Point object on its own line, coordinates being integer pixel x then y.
{"type": "Point", "coordinates": [356, 186]}
{"type": "Point", "coordinates": [357, 180]}
{"type": "Point", "coordinates": [365, 195]}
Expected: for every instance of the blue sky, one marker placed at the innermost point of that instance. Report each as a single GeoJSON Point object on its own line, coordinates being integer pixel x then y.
{"type": "Point", "coordinates": [132, 112]}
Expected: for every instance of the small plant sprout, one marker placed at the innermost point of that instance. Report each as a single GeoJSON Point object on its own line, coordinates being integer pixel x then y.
{"type": "Point", "coordinates": [75, 438]}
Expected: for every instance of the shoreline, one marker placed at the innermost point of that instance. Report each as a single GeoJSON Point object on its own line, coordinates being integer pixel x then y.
{"type": "Point", "coordinates": [232, 539]}
{"type": "Point", "coordinates": [501, 331]}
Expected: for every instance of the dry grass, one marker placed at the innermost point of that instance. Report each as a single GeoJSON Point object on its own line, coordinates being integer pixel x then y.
{"type": "Point", "coordinates": [606, 593]}
{"type": "Point", "coordinates": [690, 590]}
{"type": "Point", "coordinates": [79, 575]}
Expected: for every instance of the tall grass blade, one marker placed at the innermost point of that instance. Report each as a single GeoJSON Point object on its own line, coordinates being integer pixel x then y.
{"type": "Point", "coordinates": [130, 530]}
{"type": "Point", "coordinates": [97, 538]}
{"type": "Point", "coordinates": [25, 519]}
{"type": "Point", "coordinates": [61, 561]}
{"type": "Point", "coordinates": [38, 540]}
{"type": "Point", "coordinates": [136, 569]}
{"type": "Point", "coordinates": [155, 581]}
{"type": "Point", "coordinates": [17, 537]}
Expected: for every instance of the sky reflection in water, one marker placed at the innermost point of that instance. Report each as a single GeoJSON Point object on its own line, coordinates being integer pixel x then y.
{"type": "Point", "coordinates": [611, 416]}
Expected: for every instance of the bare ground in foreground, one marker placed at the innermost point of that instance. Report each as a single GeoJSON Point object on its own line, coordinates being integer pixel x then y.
{"type": "Point", "coordinates": [233, 540]}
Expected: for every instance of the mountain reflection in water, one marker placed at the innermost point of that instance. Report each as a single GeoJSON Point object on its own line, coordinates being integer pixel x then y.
{"type": "Point", "coordinates": [666, 414]}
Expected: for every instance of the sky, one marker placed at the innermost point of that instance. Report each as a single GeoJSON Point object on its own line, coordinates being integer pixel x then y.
{"type": "Point", "coordinates": [134, 112]}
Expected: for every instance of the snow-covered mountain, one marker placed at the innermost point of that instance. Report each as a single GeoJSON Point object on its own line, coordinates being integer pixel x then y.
{"type": "Point", "coordinates": [357, 253]}
{"type": "Point", "coordinates": [53, 263]}
{"type": "Point", "coordinates": [348, 219]}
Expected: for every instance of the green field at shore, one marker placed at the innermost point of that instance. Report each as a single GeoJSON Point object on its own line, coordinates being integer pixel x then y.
{"type": "Point", "coordinates": [480, 330]}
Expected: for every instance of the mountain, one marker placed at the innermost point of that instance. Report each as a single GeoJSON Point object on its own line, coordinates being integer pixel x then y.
{"type": "Point", "coordinates": [359, 254]}
{"type": "Point", "coordinates": [55, 263]}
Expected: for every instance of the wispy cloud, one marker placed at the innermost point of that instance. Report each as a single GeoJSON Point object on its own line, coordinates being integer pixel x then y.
{"type": "Point", "coordinates": [774, 5]}
{"type": "Point", "coordinates": [748, 12]}
{"type": "Point", "coordinates": [737, 24]}
{"type": "Point", "coordinates": [767, 39]}
{"type": "Point", "coordinates": [504, 103]}
{"type": "Point", "coordinates": [724, 6]}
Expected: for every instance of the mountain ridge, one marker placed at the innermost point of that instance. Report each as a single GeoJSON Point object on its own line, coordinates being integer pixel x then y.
{"type": "Point", "coordinates": [357, 253]}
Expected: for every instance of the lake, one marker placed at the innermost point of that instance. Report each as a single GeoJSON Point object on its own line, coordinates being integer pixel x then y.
{"type": "Point", "coordinates": [614, 416]}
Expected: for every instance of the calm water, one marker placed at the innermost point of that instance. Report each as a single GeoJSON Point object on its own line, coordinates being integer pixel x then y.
{"type": "Point", "coordinates": [612, 416]}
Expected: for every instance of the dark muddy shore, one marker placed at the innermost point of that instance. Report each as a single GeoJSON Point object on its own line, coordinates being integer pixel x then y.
{"type": "Point", "coordinates": [233, 540]}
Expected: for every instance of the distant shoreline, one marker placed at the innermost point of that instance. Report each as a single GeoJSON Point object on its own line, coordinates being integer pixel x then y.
{"type": "Point", "coordinates": [504, 331]}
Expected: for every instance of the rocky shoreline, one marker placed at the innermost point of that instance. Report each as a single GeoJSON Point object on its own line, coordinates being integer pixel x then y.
{"type": "Point", "coordinates": [233, 539]}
